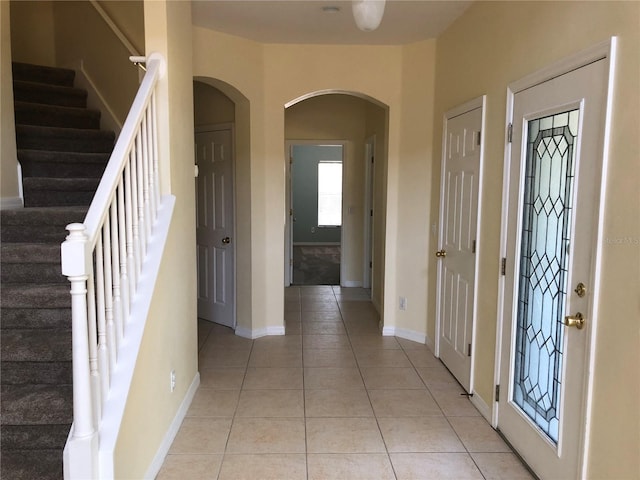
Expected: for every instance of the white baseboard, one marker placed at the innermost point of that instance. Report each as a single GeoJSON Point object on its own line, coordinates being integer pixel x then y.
{"type": "Point", "coordinates": [404, 333]}
{"type": "Point", "coordinates": [169, 437]}
{"type": "Point", "coordinates": [351, 284]}
{"type": "Point", "coordinates": [259, 332]}
{"type": "Point", "coordinates": [481, 405]}
{"type": "Point", "coordinates": [7, 203]}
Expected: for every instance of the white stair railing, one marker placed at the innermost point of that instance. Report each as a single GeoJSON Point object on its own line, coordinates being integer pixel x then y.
{"type": "Point", "coordinates": [103, 259]}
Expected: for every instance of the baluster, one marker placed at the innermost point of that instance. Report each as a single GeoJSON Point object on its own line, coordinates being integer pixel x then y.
{"type": "Point", "coordinates": [131, 262]}
{"type": "Point", "coordinates": [115, 267]}
{"type": "Point", "coordinates": [137, 249]}
{"type": "Point", "coordinates": [140, 190]}
{"type": "Point", "coordinates": [103, 351]}
{"type": "Point", "coordinates": [145, 177]}
{"type": "Point", "coordinates": [108, 292]}
{"type": "Point", "coordinates": [150, 178]}
{"type": "Point", "coordinates": [156, 169]}
{"type": "Point", "coordinates": [124, 276]}
{"type": "Point", "coordinates": [94, 367]}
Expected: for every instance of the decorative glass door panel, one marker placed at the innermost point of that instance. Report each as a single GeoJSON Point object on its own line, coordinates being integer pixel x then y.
{"type": "Point", "coordinates": [542, 282]}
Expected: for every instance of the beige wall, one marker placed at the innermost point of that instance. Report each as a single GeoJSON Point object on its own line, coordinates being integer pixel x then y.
{"type": "Point", "coordinates": [129, 17]}
{"type": "Point", "coordinates": [491, 45]}
{"type": "Point", "coordinates": [9, 192]}
{"type": "Point", "coordinates": [31, 44]}
{"type": "Point", "coordinates": [170, 340]}
{"type": "Point", "coordinates": [211, 106]}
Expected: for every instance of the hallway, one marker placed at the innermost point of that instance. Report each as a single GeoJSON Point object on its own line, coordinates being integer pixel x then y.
{"type": "Point", "coordinates": [332, 399]}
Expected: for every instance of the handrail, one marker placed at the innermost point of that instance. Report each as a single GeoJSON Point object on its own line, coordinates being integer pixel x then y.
{"type": "Point", "coordinates": [103, 259]}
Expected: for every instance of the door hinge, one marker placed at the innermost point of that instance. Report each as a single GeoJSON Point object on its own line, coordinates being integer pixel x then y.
{"type": "Point", "coordinates": [469, 350]}
{"type": "Point", "coordinates": [473, 247]}
{"type": "Point", "coordinates": [291, 261]}
{"type": "Point", "coordinates": [510, 133]}
{"type": "Point", "coordinates": [291, 212]}
{"type": "Point", "coordinates": [290, 160]}
{"type": "Point", "coordinates": [479, 140]}
{"type": "Point", "coordinates": [372, 157]}
{"type": "Point", "coordinates": [497, 393]}
{"type": "Point", "coordinates": [370, 264]}
{"type": "Point", "coordinates": [503, 266]}
{"type": "Point", "coordinates": [371, 213]}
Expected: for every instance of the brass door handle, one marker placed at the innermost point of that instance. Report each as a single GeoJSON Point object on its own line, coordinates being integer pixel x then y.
{"type": "Point", "coordinates": [576, 320]}
{"type": "Point", "coordinates": [441, 253]}
{"type": "Point", "coordinates": [226, 240]}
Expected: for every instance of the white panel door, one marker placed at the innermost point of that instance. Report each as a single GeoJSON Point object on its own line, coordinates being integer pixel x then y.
{"type": "Point", "coordinates": [458, 229]}
{"type": "Point", "coordinates": [214, 227]}
{"type": "Point", "coordinates": [553, 203]}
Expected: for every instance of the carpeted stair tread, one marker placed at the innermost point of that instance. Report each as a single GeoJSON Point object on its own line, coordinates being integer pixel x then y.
{"type": "Point", "coordinates": [42, 216]}
{"type": "Point", "coordinates": [32, 273]}
{"type": "Point", "coordinates": [21, 295]}
{"type": "Point", "coordinates": [32, 464]}
{"type": "Point", "coordinates": [36, 318]}
{"type": "Point", "coordinates": [41, 191]}
{"type": "Point", "coordinates": [25, 372]}
{"type": "Point", "coordinates": [29, 253]}
{"type": "Point", "coordinates": [62, 184]}
{"type": "Point", "coordinates": [41, 163]}
{"type": "Point", "coordinates": [27, 113]}
{"type": "Point", "coordinates": [36, 404]}
{"type": "Point", "coordinates": [34, 92]}
{"type": "Point", "coordinates": [36, 345]}
{"type": "Point", "coordinates": [64, 139]}
{"type": "Point", "coordinates": [33, 437]}
{"type": "Point", "coordinates": [43, 74]}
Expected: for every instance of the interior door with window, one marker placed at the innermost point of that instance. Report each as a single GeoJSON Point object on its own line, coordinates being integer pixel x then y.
{"type": "Point", "coordinates": [215, 227]}
{"type": "Point", "coordinates": [551, 229]}
{"type": "Point", "coordinates": [458, 238]}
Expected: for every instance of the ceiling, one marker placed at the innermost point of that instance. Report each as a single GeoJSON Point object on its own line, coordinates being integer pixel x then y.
{"type": "Point", "coordinates": [296, 21]}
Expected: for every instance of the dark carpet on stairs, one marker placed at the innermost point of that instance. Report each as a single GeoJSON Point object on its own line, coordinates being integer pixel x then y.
{"type": "Point", "coordinates": [316, 265]}
{"type": "Point", "coordinates": [63, 154]}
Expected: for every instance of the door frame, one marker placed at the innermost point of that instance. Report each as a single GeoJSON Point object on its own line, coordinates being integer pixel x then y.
{"type": "Point", "coordinates": [605, 50]}
{"type": "Point", "coordinates": [288, 229]}
{"type": "Point", "coordinates": [478, 102]}
{"type": "Point", "coordinates": [369, 162]}
{"type": "Point", "coordinates": [214, 127]}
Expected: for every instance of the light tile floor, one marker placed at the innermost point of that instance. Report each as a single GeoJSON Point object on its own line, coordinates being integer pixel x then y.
{"type": "Point", "coordinates": [332, 399]}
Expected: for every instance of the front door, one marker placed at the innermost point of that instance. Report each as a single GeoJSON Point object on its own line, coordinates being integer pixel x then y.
{"type": "Point", "coordinates": [551, 226]}
{"type": "Point", "coordinates": [214, 226]}
{"type": "Point", "coordinates": [458, 238]}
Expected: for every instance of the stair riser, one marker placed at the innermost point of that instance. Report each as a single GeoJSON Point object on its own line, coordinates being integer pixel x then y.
{"type": "Point", "coordinates": [31, 94]}
{"type": "Point", "coordinates": [32, 464]}
{"type": "Point", "coordinates": [31, 233]}
{"type": "Point", "coordinates": [31, 273]}
{"type": "Point", "coordinates": [79, 141]}
{"type": "Point", "coordinates": [36, 404]}
{"type": "Point", "coordinates": [62, 170]}
{"type": "Point", "coordinates": [43, 198]}
{"type": "Point", "coordinates": [44, 373]}
{"type": "Point", "coordinates": [41, 74]}
{"type": "Point", "coordinates": [33, 437]}
{"type": "Point", "coordinates": [84, 120]}
{"type": "Point", "coordinates": [20, 318]}
{"type": "Point", "coordinates": [36, 345]}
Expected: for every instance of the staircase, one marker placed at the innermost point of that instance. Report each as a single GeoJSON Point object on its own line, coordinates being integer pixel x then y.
{"type": "Point", "coordinates": [63, 153]}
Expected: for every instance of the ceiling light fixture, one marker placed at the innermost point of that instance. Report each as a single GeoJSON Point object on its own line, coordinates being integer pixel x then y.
{"type": "Point", "coordinates": [368, 13]}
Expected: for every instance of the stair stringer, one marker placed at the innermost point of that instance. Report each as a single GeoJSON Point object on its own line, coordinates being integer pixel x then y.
{"type": "Point", "coordinates": [78, 453]}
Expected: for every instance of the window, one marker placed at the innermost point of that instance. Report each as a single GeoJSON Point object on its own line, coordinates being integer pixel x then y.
{"type": "Point", "coordinates": [329, 193]}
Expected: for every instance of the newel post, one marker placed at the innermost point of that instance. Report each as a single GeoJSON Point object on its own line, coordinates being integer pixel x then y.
{"type": "Point", "coordinates": [81, 450]}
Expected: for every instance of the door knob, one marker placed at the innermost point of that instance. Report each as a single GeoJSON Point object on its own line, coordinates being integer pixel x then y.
{"type": "Point", "coordinates": [441, 253]}
{"type": "Point", "coordinates": [226, 240]}
{"type": "Point", "coordinates": [576, 320]}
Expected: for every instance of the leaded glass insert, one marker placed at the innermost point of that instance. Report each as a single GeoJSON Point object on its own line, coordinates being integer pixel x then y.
{"type": "Point", "coordinates": [546, 228]}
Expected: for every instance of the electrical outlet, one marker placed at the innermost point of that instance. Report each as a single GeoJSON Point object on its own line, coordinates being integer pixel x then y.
{"type": "Point", "coordinates": [403, 303]}
{"type": "Point", "coordinates": [172, 380]}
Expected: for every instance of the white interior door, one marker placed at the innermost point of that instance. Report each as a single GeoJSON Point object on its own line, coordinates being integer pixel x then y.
{"type": "Point", "coordinates": [370, 149]}
{"type": "Point", "coordinates": [215, 227]}
{"type": "Point", "coordinates": [458, 233]}
{"type": "Point", "coordinates": [553, 203]}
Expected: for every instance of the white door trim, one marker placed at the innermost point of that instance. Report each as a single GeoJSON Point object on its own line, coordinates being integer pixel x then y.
{"type": "Point", "coordinates": [479, 102]}
{"type": "Point", "coordinates": [288, 258]}
{"type": "Point", "coordinates": [369, 161]}
{"type": "Point", "coordinates": [605, 50]}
